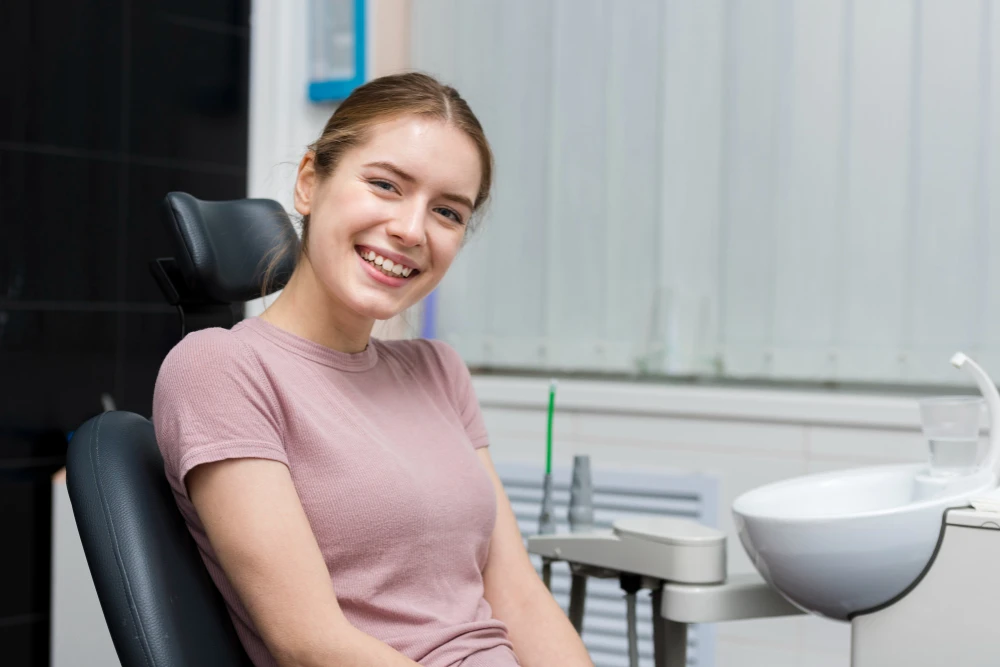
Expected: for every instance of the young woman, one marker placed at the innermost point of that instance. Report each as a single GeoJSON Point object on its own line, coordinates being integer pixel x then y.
{"type": "Point", "coordinates": [340, 487]}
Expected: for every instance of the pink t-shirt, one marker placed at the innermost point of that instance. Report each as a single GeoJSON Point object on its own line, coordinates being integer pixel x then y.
{"type": "Point", "coordinates": [381, 448]}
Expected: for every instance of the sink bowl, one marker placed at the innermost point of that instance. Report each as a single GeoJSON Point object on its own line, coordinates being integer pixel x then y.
{"type": "Point", "coordinates": [843, 542]}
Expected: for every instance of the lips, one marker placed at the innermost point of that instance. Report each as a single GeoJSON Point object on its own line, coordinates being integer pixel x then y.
{"type": "Point", "coordinates": [380, 275]}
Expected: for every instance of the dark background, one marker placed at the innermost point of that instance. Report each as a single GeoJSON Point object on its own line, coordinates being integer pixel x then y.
{"type": "Point", "coordinates": [105, 106]}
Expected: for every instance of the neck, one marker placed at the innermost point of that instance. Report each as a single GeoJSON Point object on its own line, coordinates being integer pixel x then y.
{"type": "Point", "coordinates": [307, 310]}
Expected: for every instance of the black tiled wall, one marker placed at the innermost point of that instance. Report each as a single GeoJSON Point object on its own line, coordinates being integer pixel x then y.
{"type": "Point", "coordinates": [106, 106]}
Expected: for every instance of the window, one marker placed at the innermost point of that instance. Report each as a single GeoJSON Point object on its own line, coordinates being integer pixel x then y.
{"type": "Point", "coordinates": [732, 189]}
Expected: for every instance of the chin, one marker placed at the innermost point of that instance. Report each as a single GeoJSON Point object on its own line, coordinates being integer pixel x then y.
{"type": "Point", "coordinates": [383, 307]}
{"type": "Point", "coordinates": [380, 311]}
{"type": "Point", "coordinates": [383, 314]}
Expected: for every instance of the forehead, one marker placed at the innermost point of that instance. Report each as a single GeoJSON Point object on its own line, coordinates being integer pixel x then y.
{"type": "Point", "coordinates": [436, 153]}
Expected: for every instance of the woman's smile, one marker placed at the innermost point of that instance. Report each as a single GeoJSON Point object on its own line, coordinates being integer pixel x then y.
{"type": "Point", "coordinates": [383, 269]}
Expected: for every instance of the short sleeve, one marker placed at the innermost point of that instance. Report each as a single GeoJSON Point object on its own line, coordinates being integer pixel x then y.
{"type": "Point", "coordinates": [212, 402]}
{"type": "Point", "coordinates": [463, 395]}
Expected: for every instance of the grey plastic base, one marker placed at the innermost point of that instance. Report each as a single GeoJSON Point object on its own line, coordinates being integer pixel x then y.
{"type": "Point", "coordinates": [740, 597]}
{"type": "Point", "coordinates": [666, 549]}
{"type": "Point", "coordinates": [950, 616]}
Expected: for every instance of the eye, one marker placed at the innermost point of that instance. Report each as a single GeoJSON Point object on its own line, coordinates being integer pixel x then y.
{"type": "Point", "coordinates": [383, 185]}
{"type": "Point", "coordinates": [448, 213]}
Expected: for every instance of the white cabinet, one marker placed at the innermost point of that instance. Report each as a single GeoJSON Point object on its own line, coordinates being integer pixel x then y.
{"type": "Point", "coordinates": [80, 635]}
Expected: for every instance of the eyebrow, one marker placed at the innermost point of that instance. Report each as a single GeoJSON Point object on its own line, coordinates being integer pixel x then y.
{"type": "Point", "coordinates": [388, 166]}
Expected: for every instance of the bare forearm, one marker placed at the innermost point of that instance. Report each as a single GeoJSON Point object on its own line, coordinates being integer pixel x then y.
{"type": "Point", "coordinates": [352, 648]}
{"type": "Point", "coordinates": [541, 633]}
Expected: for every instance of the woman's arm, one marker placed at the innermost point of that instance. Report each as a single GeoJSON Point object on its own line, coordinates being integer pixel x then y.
{"type": "Point", "coordinates": [541, 633]}
{"type": "Point", "coordinates": [261, 535]}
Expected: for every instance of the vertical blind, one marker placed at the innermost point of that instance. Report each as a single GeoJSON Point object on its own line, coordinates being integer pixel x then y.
{"type": "Point", "coordinates": [728, 188]}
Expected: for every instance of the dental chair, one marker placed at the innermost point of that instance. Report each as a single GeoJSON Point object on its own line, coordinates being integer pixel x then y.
{"type": "Point", "coordinates": [161, 607]}
{"type": "Point", "coordinates": [163, 610]}
{"type": "Point", "coordinates": [223, 248]}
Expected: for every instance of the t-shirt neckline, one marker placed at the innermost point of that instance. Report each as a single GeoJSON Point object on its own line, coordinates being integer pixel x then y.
{"type": "Point", "coordinates": [345, 361]}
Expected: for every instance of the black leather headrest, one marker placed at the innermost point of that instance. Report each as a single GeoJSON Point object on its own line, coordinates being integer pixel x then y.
{"type": "Point", "coordinates": [224, 247]}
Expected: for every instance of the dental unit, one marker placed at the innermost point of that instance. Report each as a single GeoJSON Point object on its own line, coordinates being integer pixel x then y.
{"type": "Point", "coordinates": [908, 558]}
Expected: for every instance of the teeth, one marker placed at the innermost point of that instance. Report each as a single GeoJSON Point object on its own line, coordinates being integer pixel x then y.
{"type": "Point", "coordinates": [388, 267]}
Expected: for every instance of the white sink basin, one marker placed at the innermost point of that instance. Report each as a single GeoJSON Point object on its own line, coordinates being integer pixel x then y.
{"type": "Point", "coordinates": [842, 542]}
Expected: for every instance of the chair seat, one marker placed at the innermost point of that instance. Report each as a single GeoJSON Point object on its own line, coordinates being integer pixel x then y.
{"type": "Point", "coordinates": [161, 606]}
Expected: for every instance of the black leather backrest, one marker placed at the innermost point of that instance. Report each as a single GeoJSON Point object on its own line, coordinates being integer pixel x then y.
{"type": "Point", "coordinates": [161, 606]}
{"type": "Point", "coordinates": [223, 247]}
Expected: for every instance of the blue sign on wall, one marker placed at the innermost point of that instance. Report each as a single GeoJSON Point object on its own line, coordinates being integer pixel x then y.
{"type": "Point", "coordinates": [336, 48]}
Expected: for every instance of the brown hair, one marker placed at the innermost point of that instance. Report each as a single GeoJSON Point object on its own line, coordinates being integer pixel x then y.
{"type": "Point", "coordinates": [379, 101]}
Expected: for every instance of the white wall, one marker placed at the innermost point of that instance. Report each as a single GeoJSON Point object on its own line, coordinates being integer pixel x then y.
{"type": "Point", "coordinates": [746, 438]}
{"type": "Point", "coordinates": [283, 122]}
{"type": "Point", "coordinates": [79, 634]}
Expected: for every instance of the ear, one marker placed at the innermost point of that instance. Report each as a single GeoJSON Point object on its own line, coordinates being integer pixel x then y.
{"type": "Point", "coordinates": [305, 184]}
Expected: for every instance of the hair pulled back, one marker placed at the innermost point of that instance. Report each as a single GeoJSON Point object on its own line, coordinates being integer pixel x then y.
{"type": "Point", "coordinates": [378, 101]}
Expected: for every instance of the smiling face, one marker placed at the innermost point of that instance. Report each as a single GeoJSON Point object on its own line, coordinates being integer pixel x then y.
{"type": "Point", "coordinates": [387, 223]}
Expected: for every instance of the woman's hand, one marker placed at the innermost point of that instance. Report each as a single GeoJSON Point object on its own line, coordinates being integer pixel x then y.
{"type": "Point", "coordinates": [262, 538]}
{"type": "Point", "coordinates": [541, 633]}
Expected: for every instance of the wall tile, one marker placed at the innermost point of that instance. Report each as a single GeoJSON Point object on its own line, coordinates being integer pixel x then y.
{"type": "Point", "coordinates": [516, 449]}
{"type": "Point", "coordinates": [729, 653]}
{"type": "Point", "coordinates": [817, 639]}
{"type": "Point", "coordinates": [814, 466]}
{"type": "Point", "coordinates": [54, 366]}
{"type": "Point", "coordinates": [217, 14]}
{"type": "Point", "coordinates": [529, 423]}
{"type": "Point", "coordinates": [64, 82]}
{"type": "Point", "coordinates": [25, 644]}
{"type": "Point", "coordinates": [147, 232]}
{"type": "Point", "coordinates": [873, 445]}
{"type": "Point", "coordinates": [79, 142]}
{"type": "Point", "coordinates": [188, 92]}
{"type": "Point", "coordinates": [823, 636]}
{"type": "Point", "coordinates": [58, 227]}
{"type": "Point", "coordinates": [778, 632]}
{"type": "Point", "coordinates": [736, 437]}
{"type": "Point", "coordinates": [25, 504]}
{"type": "Point", "coordinates": [813, 659]}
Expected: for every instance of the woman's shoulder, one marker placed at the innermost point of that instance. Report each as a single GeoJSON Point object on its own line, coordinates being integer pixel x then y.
{"type": "Point", "coordinates": [207, 346]}
{"type": "Point", "coordinates": [423, 353]}
{"type": "Point", "coordinates": [431, 363]}
{"type": "Point", "coordinates": [211, 391]}
{"type": "Point", "coordinates": [206, 355]}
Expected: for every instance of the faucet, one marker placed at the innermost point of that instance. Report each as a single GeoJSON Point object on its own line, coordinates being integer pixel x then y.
{"type": "Point", "coordinates": [992, 396]}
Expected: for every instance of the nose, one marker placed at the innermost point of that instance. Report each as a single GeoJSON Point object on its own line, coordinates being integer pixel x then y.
{"type": "Point", "coordinates": [410, 227]}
